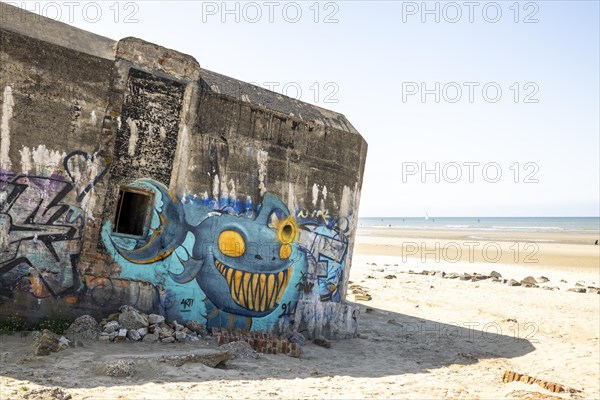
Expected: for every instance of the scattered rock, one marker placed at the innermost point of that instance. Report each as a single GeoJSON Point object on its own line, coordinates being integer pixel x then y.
{"type": "Point", "coordinates": [143, 331]}
{"type": "Point", "coordinates": [478, 277]}
{"type": "Point", "coordinates": [362, 336]}
{"type": "Point", "coordinates": [297, 337]}
{"type": "Point", "coordinates": [439, 274]}
{"type": "Point", "coordinates": [542, 279]}
{"type": "Point", "coordinates": [111, 326]}
{"type": "Point", "coordinates": [321, 341]}
{"type": "Point", "coordinates": [529, 285]}
{"type": "Point", "coordinates": [579, 284]}
{"type": "Point", "coordinates": [85, 326]}
{"type": "Point", "coordinates": [563, 281]}
{"type": "Point", "coordinates": [150, 338]}
{"type": "Point", "coordinates": [495, 274]}
{"type": "Point", "coordinates": [593, 290]}
{"type": "Point", "coordinates": [529, 280]}
{"type": "Point", "coordinates": [212, 359]}
{"type": "Point", "coordinates": [176, 326]}
{"type": "Point", "coordinates": [577, 290]}
{"type": "Point", "coordinates": [197, 327]}
{"type": "Point", "coordinates": [131, 319]}
{"type": "Point", "coordinates": [363, 297]}
{"type": "Point", "coordinates": [451, 275]}
{"type": "Point", "coordinates": [239, 349]}
{"type": "Point", "coordinates": [168, 339]}
{"type": "Point", "coordinates": [134, 335]}
{"type": "Point", "coordinates": [104, 337]}
{"type": "Point", "coordinates": [118, 369]}
{"type": "Point", "coordinates": [390, 277]}
{"type": "Point", "coordinates": [46, 343]}
{"type": "Point", "coordinates": [64, 343]}
{"type": "Point", "coordinates": [180, 336]}
{"type": "Point", "coordinates": [465, 277]}
{"type": "Point", "coordinates": [112, 317]}
{"type": "Point", "coordinates": [512, 282]}
{"type": "Point", "coordinates": [155, 319]}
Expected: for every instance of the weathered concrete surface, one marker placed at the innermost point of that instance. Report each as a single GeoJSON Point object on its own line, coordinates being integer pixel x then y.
{"type": "Point", "coordinates": [253, 196]}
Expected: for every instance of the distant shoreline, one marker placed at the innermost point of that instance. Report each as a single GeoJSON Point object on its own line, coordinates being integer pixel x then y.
{"type": "Point", "coordinates": [505, 225]}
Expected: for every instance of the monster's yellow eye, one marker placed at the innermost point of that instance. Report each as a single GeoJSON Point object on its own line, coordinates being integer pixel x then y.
{"type": "Point", "coordinates": [231, 244]}
{"type": "Point", "coordinates": [287, 230]}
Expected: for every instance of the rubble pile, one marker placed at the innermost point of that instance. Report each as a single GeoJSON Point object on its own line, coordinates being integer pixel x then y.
{"type": "Point", "coordinates": [132, 325]}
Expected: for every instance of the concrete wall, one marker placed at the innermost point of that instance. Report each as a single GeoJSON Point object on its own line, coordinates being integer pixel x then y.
{"type": "Point", "coordinates": [254, 196]}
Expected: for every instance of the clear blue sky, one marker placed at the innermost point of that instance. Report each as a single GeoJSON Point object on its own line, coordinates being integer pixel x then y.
{"type": "Point", "coordinates": [377, 52]}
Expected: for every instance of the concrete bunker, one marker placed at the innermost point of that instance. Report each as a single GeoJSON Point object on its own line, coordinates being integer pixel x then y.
{"type": "Point", "coordinates": [152, 182]}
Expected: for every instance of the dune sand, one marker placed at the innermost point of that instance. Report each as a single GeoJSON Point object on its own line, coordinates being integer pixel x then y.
{"type": "Point", "coordinates": [422, 336]}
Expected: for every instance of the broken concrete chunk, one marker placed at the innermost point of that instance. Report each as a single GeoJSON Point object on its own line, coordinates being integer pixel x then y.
{"type": "Point", "coordinates": [132, 319]}
{"type": "Point", "coordinates": [155, 319]}
{"type": "Point", "coordinates": [111, 326]}
{"type": "Point", "coordinates": [85, 327]}
{"type": "Point", "coordinates": [46, 343]}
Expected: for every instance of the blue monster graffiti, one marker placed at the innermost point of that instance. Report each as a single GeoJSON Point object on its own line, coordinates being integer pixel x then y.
{"type": "Point", "coordinates": [243, 263]}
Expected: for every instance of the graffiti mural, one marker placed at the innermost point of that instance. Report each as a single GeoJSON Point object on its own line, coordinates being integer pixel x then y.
{"type": "Point", "coordinates": [42, 218]}
{"type": "Point", "coordinates": [230, 263]}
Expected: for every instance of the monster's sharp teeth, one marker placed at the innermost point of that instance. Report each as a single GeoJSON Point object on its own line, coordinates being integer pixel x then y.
{"type": "Point", "coordinates": [255, 291]}
{"type": "Point", "coordinates": [283, 284]}
{"type": "Point", "coordinates": [241, 294]}
{"type": "Point", "coordinates": [230, 276]}
{"type": "Point", "coordinates": [238, 281]}
{"type": "Point", "coordinates": [271, 290]}
{"type": "Point", "coordinates": [263, 292]}
{"type": "Point", "coordinates": [249, 290]}
{"type": "Point", "coordinates": [256, 288]}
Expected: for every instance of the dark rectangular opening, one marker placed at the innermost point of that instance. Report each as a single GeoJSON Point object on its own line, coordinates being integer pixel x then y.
{"type": "Point", "coordinates": [133, 209]}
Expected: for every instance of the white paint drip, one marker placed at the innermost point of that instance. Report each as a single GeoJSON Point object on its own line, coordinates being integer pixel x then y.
{"type": "Point", "coordinates": [41, 159]}
{"type": "Point", "coordinates": [216, 187]}
{"type": "Point", "coordinates": [25, 159]}
{"type": "Point", "coordinates": [346, 202]}
{"type": "Point", "coordinates": [315, 194]}
{"type": "Point", "coordinates": [7, 113]}
{"type": "Point", "coordinates": [119, 123]}
{"type": "Point", "coordinates": [291, 198]}
{"type": "Point", "coordinates": [133, 138]}
{"type": "Point", "coordinates": [223, 187]}
{"type": "Point", "coordinates": [162, 133]}
{"type": "Point", "coordinates": [324, 191]}
{"type": "Point", "coordinates": [261, 158]}
{"type": "Point", "coordinates": [232, 193]}
{"type": "Point", "coordinates": [93, 118]}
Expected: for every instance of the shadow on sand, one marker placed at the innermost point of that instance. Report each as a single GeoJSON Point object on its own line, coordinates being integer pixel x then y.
{"type": "Point", "coordinates": [391, 344]}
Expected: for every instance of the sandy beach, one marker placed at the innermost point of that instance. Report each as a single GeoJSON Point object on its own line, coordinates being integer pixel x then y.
{"type": "Point", "coordinates": [421, 336]}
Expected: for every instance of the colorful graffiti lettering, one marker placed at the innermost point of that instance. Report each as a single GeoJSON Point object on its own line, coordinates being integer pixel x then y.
{"type": "Point", "coordinates": [250, 264]}
{"type": "Point", "coordinates": [41, 224]}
